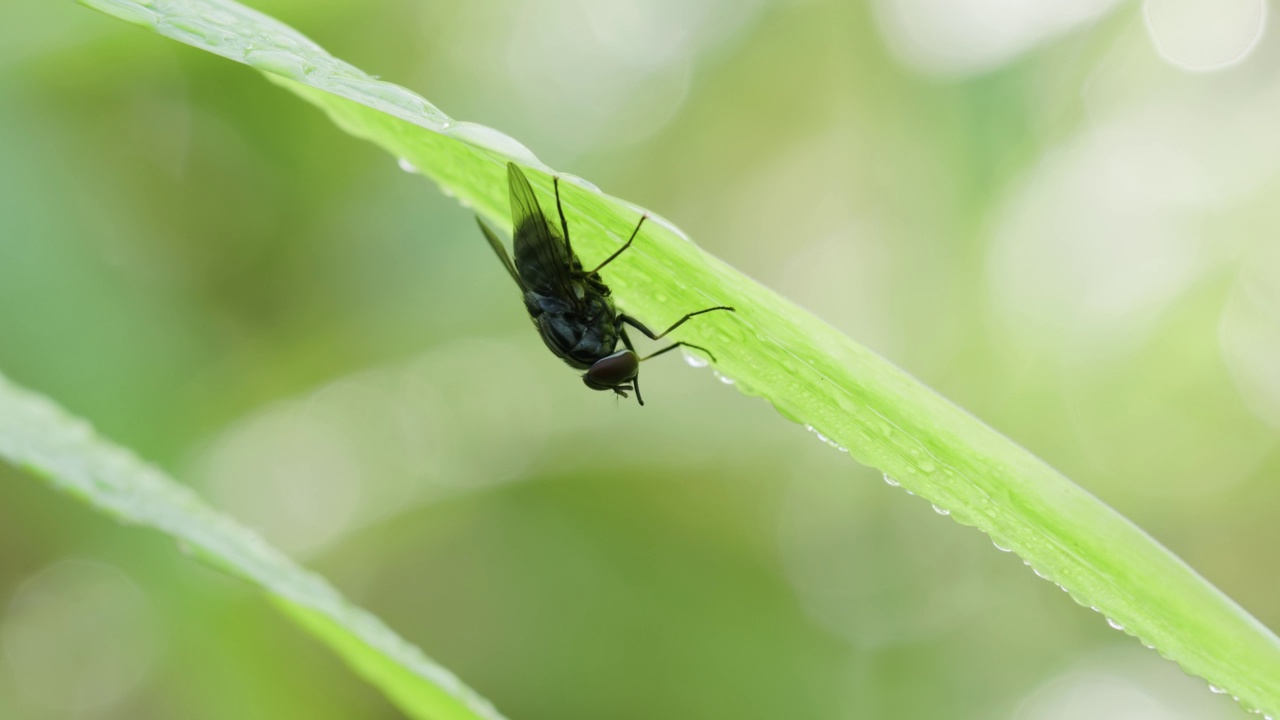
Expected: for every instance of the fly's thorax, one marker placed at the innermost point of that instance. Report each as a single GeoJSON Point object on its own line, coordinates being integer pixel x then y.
{"type": "Point", "coordinates": [600, 327]}
{"type": "Point", "coordinates": [580, 333]}
{"type": "Point", "coordinates": [599, 308]}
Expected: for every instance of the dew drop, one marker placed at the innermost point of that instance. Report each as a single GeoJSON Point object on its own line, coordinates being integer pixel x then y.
{"type": "Point", "coordinates": [822, 437]}
{"type": "Point", "coordinates": [1114, 625]}
{"type": "Point", "coordinates": [220, 17]}
{"type": "Point", "coordinates": [669, 226]}
{"type": "Point", "coordinates": [382, 95]}
{"type": "Point", "coordinates": [890, 481]}
{"type": "Point", "coordinates": [1000, 547]}
{"type": "Point", "coordinates": [1039, 574]}
{"type": "Point", "coordinates": [579, 182]}
{"type": "Point", "coordinates": [1216, 690]}
{"type": "Point", "coordinates": [784, 412]}
{"type": "Point", "coordinates": [490, 139]}
{"type": "Point", "coordinates": [927, 465]}
{"type": "Point", "coordinates": [694, 359]}
{"type": "Point", "coordinates": [723, 378]}
{"type": "Point", "coordinates": [407, 166]}
{"type": "Point", "coordinates": [280, 62]}
{"type": "Point", "coordinates": [941, 510]}
{"type": "Point", "coordinates": [191, 32]}
{"type": "Point", "coordinates": [128, 11]}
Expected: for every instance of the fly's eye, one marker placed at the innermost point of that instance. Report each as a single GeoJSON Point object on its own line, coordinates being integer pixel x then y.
{"type": "Point", "coordinates": [609, 372]}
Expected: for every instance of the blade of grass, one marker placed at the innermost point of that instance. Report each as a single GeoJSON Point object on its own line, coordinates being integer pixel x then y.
{"type": "Point", "coordinates": [39, 436]}
{"type": "Point", "coordinates": [808, 371]}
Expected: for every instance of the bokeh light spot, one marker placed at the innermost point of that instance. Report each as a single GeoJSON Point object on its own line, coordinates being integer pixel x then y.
{"type": "Point", "coordinates": [1199, 36]}
{"type": "Point", "coordinates": [77, 638]}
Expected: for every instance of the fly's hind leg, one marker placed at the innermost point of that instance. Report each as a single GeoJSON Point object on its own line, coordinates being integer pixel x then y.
{"type": "Point", "coordinates": [675, 345]}
{"type": "Point", "coordinates": [658, 336]}
{"type": "Point", "coordinates": [650, 334]}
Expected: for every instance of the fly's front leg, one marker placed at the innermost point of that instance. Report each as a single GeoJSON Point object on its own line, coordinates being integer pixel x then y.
{"type": "Point", "coordinates": [625, 245]}
{"type": "Point", "coordinates": [622, 332]}
{"type": "Point", "coordinates": [626, 341]}
{"type": "Point", "coordinates": [555, 183]}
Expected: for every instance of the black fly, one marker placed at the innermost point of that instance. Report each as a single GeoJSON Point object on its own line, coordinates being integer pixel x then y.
{"type": "Point", "coordinates": [572, 307]}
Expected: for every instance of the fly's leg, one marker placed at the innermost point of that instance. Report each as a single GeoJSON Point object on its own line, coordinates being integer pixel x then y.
{"type": "Point", "coordinates": [658, 336]}
{"type": "Point", "coordinates": [626, 339]}
{"type": "Point", "coordinates": [555, 183]}
{"type": "Point", "coordinates": [673, 346]}
{"type": "Point", "coordinates": [635, 381]}
{"type": "Point", "coordinates": [625, 245]}
{"type": "Point", "coordinates": [649, 333]}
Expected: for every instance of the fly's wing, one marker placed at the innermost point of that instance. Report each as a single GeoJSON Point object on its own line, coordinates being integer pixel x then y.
{"type": "Point", "coordinates": [501, 251]}
{"type": "Point", "coordinates": [542, 257]}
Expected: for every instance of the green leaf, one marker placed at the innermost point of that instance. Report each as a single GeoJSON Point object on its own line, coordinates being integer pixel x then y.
{"type": "Point", "coordinates": [41, 437]}
{"type": "Point", "coordinates": [774, 349]}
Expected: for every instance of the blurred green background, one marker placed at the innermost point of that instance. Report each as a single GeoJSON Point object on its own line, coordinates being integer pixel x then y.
{"type": "Point", "coordinates": [1060, 215]}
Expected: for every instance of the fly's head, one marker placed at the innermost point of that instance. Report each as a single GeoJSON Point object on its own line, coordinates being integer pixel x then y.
{"type": "Point", "coordinates": [613, 372]}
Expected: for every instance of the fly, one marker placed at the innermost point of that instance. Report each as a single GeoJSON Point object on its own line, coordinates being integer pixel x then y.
{"type": "Point", "coordinates": [572, 307]}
